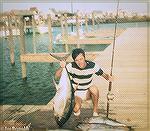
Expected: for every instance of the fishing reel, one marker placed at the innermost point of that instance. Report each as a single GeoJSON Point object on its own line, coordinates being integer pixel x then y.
{"type": "Point", "coordinates": [110, 96]}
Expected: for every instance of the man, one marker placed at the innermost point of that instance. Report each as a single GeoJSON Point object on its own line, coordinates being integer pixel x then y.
{"type": "Point", "coordinates": [81, 72]}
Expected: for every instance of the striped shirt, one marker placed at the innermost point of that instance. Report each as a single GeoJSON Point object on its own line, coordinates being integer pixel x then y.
{"type": "Point", "coordinates": [83, 77]}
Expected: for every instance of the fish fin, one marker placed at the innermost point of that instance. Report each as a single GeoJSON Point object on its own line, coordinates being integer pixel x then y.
{"type": "Point", "coordinates": [55, 84]}
{"type": "Point", "coordinates": [60, 58]}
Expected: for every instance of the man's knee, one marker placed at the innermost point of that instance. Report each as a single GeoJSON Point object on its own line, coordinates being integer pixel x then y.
{"type": "Point", "coordinates": [78, 102]}
{"type": "Point", "coordinates": [78, 99]}
{"type": "Point", "coordinates": [94, 90]}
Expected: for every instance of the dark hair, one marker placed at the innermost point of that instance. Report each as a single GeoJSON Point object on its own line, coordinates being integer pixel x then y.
{"type": "Point", "coordinates": [76, 52]}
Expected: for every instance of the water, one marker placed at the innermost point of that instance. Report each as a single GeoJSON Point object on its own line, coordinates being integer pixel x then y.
{"type": "Point", "coordinates": [38, 88]}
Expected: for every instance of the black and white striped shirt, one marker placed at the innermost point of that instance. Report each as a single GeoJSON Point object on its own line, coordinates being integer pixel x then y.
{"type": "Point", "coordinates": [83, 77]}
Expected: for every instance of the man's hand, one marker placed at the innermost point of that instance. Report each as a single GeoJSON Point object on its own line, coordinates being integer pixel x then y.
{"type": "Point", "coordinates": [62, 64]}
{"type": "Point", "coordinates": [108, 77]}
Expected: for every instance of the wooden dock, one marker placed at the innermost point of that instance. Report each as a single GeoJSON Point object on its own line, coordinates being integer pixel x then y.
{"type": "Point", "coordinates": [103, 36]}
{"type": "Point", "coordinates": [104, 33]}
{"type": "Point", "coordinates": [87, 41]}
{"type": "Point", "coordinates": [46, 57]}
{"type": "Point", "coordinates": [130, 87]}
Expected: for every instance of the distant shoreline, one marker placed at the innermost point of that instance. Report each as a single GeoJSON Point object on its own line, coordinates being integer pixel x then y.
{"type": "Point", "coordinates": [57, 23]}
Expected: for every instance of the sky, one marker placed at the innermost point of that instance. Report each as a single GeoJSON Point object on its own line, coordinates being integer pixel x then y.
{"type": "Point", "coordinates": [84, 7]}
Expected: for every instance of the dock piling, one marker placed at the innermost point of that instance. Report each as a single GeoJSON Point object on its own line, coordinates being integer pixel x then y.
{"type": "Point", "coordinates": [22, 47]}
{"type": "Point", "coordinates": [93, 20]}
{"type": "Point", "coordinates": [62, 28]}
{"type": "Point", "coordinates": [77, 28]}
{"type": "Point", "coordinates": [50, 33]}
{"type": "Point", "coordinates": [10, 41]}
{"type": "Point", "coordinates": [86, 23]}
{"type": "Point", "coordinates": [66, 33]}
{"type": "Point", "coordinates": [33, 29]}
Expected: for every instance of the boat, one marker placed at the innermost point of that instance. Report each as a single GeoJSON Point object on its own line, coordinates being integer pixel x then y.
{"type": "Point", "coordinates": [15, 32]}
{"type": "Point", "coordinates": [41, 29]}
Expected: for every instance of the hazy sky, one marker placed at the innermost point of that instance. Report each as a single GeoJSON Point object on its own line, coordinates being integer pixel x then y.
{"type": "Point", "coordinates": [86, 7]}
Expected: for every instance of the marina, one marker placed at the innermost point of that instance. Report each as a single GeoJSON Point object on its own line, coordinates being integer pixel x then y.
{"type": "Point", "coordinates": [127, 85]}
{"type": "Point", "coordinates": [28, 70]}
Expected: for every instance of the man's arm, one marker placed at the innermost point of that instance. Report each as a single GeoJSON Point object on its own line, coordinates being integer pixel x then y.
{"type": "Point", "coordinates": [107, 77]}
{"type": "Point", "coordinates": [59, 70]}
{"type": "Point", "coordinates": [58, 73]}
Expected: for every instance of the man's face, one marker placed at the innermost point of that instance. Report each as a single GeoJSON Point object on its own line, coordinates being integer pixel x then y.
{"type": "Point", "coordinates": [80, 60]}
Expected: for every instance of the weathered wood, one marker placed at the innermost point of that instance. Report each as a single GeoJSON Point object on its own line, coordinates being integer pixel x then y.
{"type": "Point", "coordinates": [130, 85]}
{"type": "Point", "coordinates": [62, 29]}
{"type": "Point", "coordinates": [5, 31]}
{"type": "Point", "coordinates": [16, 26]}
{"type": "Point", "coordinates": [92, 41]}
{"type": "Point", "coordinates": [45, 57]}
{"type": "Point", "coordinates": [24, 70]}
{"type": "Point", "coordinates": [16, 116]}
{"type": "Point", "coordinates": [95, 37]}
{"type": "Point", "coordinates": [33, 39]}
{"type": "Point", "coordinates": [78, 35]}
{"type": "Point", "coordinates": [104, 33]}
{"type": "Point", "coordinates": [66, 33]}
{"type": "Point", "coordinates": [50, 33]}
{"type": "Point", "coordinates": [22, 46]}
{"type": "Point", "coordinates": [130, 77]}
{"type": "Point", "coordinates": [22, 38]}
{"type": "Point", "coordinates": [86, 23]}
{"type": "Point", "coordinates": [11, 41]}
{"type": "Point", "coordinates": [93, 20]}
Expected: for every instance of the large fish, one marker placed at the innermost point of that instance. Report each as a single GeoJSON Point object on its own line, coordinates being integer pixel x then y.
{"type": "Point", "coordinates": [101, 123]}
{"type": "Point", "coordinates": [63, 101]}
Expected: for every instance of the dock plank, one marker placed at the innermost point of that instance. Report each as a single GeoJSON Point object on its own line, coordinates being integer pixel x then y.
{"type": "Point", "coordinates": [45, 57]}
{"type": "Point", "coordinates": [130, 72]}
{"type": "Point", "coordinates": [130, 86]}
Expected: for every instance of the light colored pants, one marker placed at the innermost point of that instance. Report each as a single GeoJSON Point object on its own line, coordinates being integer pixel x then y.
{"type": "Point", "coordinates": [82, 94]}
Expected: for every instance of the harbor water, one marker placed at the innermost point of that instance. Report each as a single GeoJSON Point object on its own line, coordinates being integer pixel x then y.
{"type": "Point", "coordinates": [38, 89]}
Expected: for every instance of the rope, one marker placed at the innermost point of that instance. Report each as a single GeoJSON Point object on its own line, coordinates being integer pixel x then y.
{"type": "Point", "coordinates": [112, 59]}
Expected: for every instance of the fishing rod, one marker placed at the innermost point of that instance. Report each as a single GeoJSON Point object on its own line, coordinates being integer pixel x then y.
{"type": "Point", "coordinates": [112, 61]}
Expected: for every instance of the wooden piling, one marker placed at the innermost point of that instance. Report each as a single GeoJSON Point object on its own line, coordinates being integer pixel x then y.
{"type": "Point", "coordinates": [50, 33]}
{"type": "Point", "coordinates": [16, 26]}
{"type": "Point", "coordinates": [5, 31]}
{"type": "Point", "coordinates": [4, 26]}
{"type": "Point", "coordinates": [46, 57]}
{"type": "Point", "coordinates": [77, 28]}
{"type": "Point", "coordinates": [66, 33]}
{"type": "Point", "coordinates": [93, 20]}
{"type": "Point", "coordinates": [25, 26]}
{"type": "Point", "coordinates": [22, 47]}
{"type": "Point", "coordinates": [86, 23]}
{"type": "Point", "coordinates": [11, 42]}
{"type": "Point", "coordinates": [62, 29]}
{"type": "Point", "coordinates": [33, 29]}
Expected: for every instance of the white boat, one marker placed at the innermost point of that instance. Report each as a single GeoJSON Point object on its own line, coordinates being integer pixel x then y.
{"type": "Point", "coordinates": [73, 21]}
{"type": "Point", "coordinates": [15, 32]}
{"type": "Point", "coordinates": [41, 29]}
